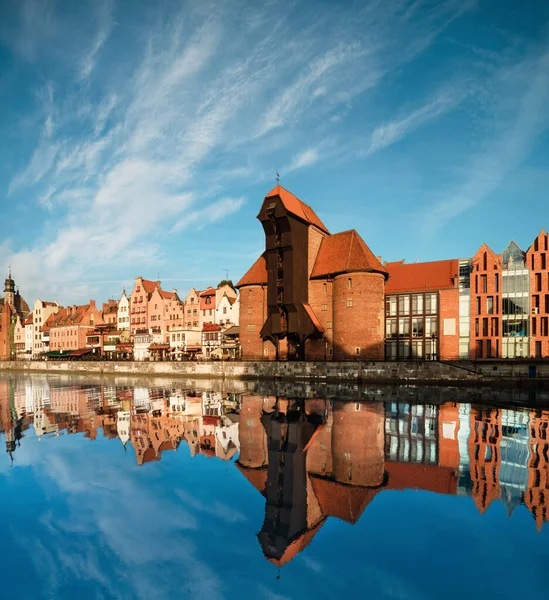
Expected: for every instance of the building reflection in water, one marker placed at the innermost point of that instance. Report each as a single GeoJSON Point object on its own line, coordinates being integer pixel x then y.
{"type": "Point", "coordinates": [310, 459]}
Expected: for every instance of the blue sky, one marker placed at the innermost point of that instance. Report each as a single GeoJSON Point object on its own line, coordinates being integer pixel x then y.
{"type": "Point", "coordinates": [139, 138]}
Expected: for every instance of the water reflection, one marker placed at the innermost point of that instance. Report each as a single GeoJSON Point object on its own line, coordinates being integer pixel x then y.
{"type": "Point", "coordinates": [311, 459]}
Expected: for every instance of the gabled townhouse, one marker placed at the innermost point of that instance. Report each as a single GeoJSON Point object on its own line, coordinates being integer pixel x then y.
{"type": "Point", "coordinates": [193, 319]}
{"type": "Point", "coordinates": [139, 303]}
{"type": "Point", "coordinates": [69, 327]}
{"type": "Point", "coordinates": [226, 312]}
{"type": "Point", "coordinates": [123, 313]}
{"type": "Point", "coordinates": [207, 305]}
{"type": "Point", "coordinates": [29, 337]}
{"type": "Point", "coordinates": [40, 314]}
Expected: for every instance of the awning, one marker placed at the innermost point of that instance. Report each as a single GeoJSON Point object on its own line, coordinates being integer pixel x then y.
{"type": "Point", "coordinates": [80, 352]}
{"type": "Point", "coordinates": [217, 352]}
{"type": "Point", "coordinates": [124, 347]}
{"type": "Point", "coordinates": [194, 349]}
{"type": "Point", "coordinates": [159, 347]}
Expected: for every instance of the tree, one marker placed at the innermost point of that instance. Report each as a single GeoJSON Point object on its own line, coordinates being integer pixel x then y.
{"type": "Point", "coordinates": [228, 282]}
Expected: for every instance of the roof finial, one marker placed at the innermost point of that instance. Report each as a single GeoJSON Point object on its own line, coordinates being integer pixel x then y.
{"type": "Point", "coordinates": [277, 178]}
{"type": "Point", "coordinates": [9, 272]}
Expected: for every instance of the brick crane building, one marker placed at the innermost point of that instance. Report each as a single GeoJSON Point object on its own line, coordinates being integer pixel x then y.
{"type": "Point", "coordinates": [311, 294]}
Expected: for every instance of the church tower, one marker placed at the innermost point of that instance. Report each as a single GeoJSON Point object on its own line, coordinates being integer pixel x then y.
{"type": "Point", "coordinates": [9, 290]}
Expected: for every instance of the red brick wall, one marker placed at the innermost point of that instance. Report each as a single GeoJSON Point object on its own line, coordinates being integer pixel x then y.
{"type": "Point", "coordinates": [539, 294]}
{"type": "Point", "coordinates": [5, 322]}
{"type": "Point", "coordinates": [320, 296]}
{"type": "Point", "coordinates": [448, 309]}
{"type": "Point", "coordinates": [252, 435]}
{"type": "Point", "coordinates": [493, 267]}
{"type": "Point", "coordinates": [358, 443]}
{"type": "Point", "coordinates": [361, 325]}
{"type": "Point", "coordinates": [253, 313]}
{"type": "Point", "coordinates": [315, 239]}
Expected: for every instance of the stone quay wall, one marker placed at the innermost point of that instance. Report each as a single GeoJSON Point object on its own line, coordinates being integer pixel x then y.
{"type": "Point", "coordinates": [338, 372]}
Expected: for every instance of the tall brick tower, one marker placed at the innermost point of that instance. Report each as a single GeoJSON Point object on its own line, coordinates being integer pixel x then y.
{"type": "Point", "coordinates": [293, 233]}
{"type": "Point", "coordinates": [9, 290]}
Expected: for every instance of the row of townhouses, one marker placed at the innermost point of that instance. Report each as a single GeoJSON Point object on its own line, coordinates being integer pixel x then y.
{"type": "Point", "coordinates": [148, 324]}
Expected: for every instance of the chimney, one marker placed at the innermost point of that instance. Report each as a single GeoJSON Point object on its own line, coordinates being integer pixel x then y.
{"type": "Point", "coordinates": [92, 303]}
{"type": "Point", "coordinates": [379, 259]}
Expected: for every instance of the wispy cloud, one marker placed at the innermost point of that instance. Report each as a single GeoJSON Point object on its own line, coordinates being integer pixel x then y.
{"type": "Point", "coordinates": [389, 133]}
{"type": "Point", "coordinates": [106, 25]}
{"type": "Point", "coordinates": [518, 117]}
{"type": "Point", "coordinates": [307, 158]}
{"type": "Point", "coordinates": [118, 167]}
{"type": "Point", "coordinates": [213, 212]}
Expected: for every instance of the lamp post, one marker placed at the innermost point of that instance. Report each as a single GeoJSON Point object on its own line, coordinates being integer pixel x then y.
{"type": "Point", "coordinates": [433, 346]}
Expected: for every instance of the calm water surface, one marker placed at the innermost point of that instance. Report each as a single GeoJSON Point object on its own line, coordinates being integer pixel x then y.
{"type": "Point", "coordinates": [120, 491]}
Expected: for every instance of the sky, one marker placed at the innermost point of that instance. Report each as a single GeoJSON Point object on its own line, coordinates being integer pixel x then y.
{"type": "Point", "coordinates": [139, 138]}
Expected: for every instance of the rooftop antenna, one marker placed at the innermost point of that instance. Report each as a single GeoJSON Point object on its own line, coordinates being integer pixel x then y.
{"type": "Point", "coordinates": [277, 178]}
{"type": "Point", "coordinates": [226, 273]}
{"type": "Point", "coordinates": [9, 272]}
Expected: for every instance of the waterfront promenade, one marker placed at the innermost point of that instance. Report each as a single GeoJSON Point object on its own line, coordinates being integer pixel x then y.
{"type": "Point", "coordinates": [534, 374]}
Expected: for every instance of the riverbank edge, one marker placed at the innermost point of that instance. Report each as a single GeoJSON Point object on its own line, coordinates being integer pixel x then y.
{"type": "Point", "coordinates": [391, 373]}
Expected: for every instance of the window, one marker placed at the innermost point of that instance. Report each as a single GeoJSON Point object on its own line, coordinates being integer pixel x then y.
{"type": "Point", "coordinates": [496, 282]}
{"type": "Point", "coordinates": [357, 351]}
{"type": "Point", "coordinates": [478, 305]}
{"type": "Point", "coordinates": [430, 326]}
{"type": "Point", "coordinates": [484, 281]}
{"type": "Point", "coordinates": [417, 327]}
{"type": "Point", "coordinates": [485, 327]}
{"type": "Point", "coordinates": [224, 310]}
{"type": "Point", "coordinates": [403, 327]}
{"type": "Point", "coordinates": [328, 325]}
{"type": "Point", "coordinates": [349, 283]}
{"type": "Point", "coordinates": [543, 262]}
{"type": "Point", "coordinates": [250, 327]}
{"type": "Point", "coordinates": [391, 305]}
{"type": "Point", "coordinates": [349, 303]}
{"type": "Point", "coordinates": [417, 304]}
{"type": "Point", "coordinates": [330, 351]}
{"type": "Point", "coordinates": [390, 328]}
{"type": "Point", "coordinates": [324, 307]}
{"type": "Point", "coordinates": [538, 282]}
{"type": "Point", "coordinates": [404, 305]}
{"type": "Point", "coordinates": [490, 305]}
{"type": "Point", "coordinates": [250, 310]}
{"type": "Point", "coordinates": [430, 304]}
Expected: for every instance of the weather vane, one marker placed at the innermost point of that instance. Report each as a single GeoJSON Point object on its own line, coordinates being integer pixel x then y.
{"type": "Point", "coordinates": [277, 178]}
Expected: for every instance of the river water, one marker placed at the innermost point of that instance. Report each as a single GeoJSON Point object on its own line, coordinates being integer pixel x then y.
{"type": "Point", "coordinates": [126, 489]}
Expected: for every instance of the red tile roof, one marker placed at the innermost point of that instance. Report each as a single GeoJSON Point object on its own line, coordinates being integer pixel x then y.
{"type": "Point", "coordinates": [256, 476]}
{"type": "Point", "coordinates": [342, 501]}
{"type": "Point", "coordinates": [296, 207]}
{"type": "Point", "coordinates": [344, 252]}
{"type": "Point", "coordinates": [256, 275]}
{"type": "Point", "coordinates": [211, 327]}
{"type": "Point", "coordinates": [313, 318]}
{"type": "Point", "coordinates": [208, 292]}
{"type": "Point", "coordinates": [166, 295]}
{"type": "Point", "coordinates": [150, 285]}
{"type": "Point", "coordinates": [437, 275]}
{"type": "Point", "coordinates": [29, 320]}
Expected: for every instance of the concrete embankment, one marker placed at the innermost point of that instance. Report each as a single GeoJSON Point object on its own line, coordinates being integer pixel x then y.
{"type": "Point", "coordinates": [534, 374]}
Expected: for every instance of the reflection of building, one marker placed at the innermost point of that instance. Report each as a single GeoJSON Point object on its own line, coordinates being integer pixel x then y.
{"type": "Point", "coordinates": [536, 497]}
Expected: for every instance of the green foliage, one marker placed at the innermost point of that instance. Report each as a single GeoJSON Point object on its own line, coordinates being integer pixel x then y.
{"type": "Point", "coordinates": [228, 282]}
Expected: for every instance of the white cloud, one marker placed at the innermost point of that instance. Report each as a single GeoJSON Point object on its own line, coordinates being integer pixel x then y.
{"type": "Point", "coordinates": [216, 211]}
{"type": "Point", "coordinates": [387, 134]}
{"type": "Point", "coordinates": [200, 109]}
{"type": "Point", "coordinates": [106, 25]}
{"type": "Point", "coordinates": [307, 158]}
